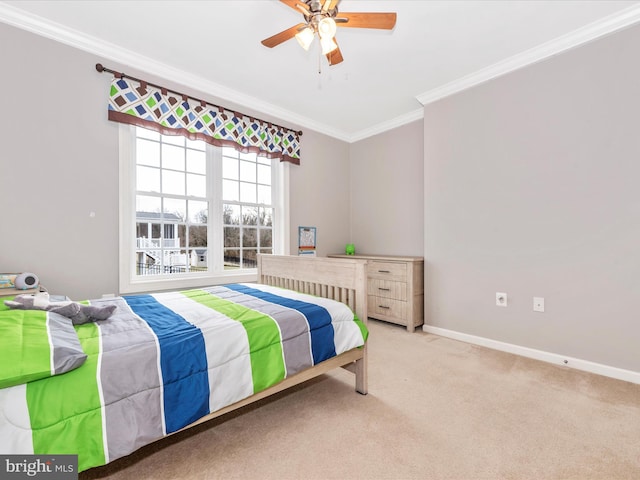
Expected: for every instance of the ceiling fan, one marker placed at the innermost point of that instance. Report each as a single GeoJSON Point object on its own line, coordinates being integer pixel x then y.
{"type": "Point", "coordinates": [321, 17]}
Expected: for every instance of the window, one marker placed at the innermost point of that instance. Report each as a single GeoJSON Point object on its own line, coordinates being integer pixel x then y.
{"type": "Point", "coordinates": [193, 214]}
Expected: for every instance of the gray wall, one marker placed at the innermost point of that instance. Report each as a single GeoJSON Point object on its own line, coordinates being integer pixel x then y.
{"type": "Point", "coordinates": [59, 163]}
{"type": "Point", "coordinates": [320, 193]}
{"type": "Point", "coordinates": [387, 205]}
{"type": "Point", "coordinates": [531, 188]}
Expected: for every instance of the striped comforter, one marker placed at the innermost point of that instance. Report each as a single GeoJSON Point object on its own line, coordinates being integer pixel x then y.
{"type": "Point", "coordinates": [162, 361]}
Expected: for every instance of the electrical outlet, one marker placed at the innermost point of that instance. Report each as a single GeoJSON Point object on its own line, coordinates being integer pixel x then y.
{"type": "Point", "coordinates": [501, 299]}
{"type": "Point", "coordinates": [538, 304]}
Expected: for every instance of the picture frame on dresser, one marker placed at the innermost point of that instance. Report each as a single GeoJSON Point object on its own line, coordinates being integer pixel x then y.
{"type": "Point", "coordinates": [395, 288]}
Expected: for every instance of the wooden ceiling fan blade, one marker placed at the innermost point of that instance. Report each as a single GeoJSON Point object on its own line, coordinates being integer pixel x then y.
{"type": "Point", "coordinates": [329, 5]}
{"type": "Point", "coordinates": [384, 21]}
{"type": "Point", "coordinates": [296, 4]}
{"type": "Point", "coordinates": [334, 57]}
{"type": "Point", "coordinates": [283, 36]}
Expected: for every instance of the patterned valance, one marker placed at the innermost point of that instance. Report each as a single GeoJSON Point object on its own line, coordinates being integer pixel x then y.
{"type": "Point", "coordinates": [138, 103]}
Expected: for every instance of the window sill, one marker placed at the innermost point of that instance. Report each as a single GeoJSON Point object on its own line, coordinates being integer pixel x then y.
{"type": "Point", "coordinates": [168, 283]}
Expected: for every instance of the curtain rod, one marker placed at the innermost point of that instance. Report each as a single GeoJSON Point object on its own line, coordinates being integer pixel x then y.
{"type": "Point", "coordinates": [101, 69]}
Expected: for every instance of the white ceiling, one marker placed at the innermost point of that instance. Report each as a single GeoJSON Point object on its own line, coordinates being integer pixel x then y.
{"type": "Point", "coordinates": [436, 48]}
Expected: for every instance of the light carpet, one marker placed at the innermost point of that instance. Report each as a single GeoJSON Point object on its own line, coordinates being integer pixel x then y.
{"type": "Point", "coordinates": [436, 409]}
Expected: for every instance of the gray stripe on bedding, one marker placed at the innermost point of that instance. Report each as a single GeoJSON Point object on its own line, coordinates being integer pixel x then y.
{"type": "Point", "coordinates": [296, 343]}
{"type": "Point", "coordinates": [130, 381]}
{"type": "Point", "coordinates": [67, 351]}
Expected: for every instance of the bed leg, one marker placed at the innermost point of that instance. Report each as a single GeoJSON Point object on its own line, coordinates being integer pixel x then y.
{"type": "Point", "coordinates": [361, 375]}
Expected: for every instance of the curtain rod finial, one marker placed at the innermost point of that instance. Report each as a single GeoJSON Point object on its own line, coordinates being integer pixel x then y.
{"type": "Point", "coordinates": [99, 67]}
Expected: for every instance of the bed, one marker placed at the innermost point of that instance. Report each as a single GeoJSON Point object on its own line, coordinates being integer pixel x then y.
{"type": "Point", "coordinates": [167, 361]}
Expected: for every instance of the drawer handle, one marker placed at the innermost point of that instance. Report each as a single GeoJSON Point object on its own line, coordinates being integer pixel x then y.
{"type": "Point", "coordinates": [382, 306]}
{"type": "Point", "coordinates": [384, 289]}
{"type": "Point", "coordinates": [384, 271]}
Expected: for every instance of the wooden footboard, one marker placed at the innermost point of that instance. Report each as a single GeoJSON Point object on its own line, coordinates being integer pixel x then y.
{"type": "Point", "coordinates": [344, 280]}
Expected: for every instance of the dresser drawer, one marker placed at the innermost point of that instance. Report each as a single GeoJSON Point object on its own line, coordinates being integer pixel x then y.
{"type": "Point", "coordinates": [387, 308]}
{"type": "Point", "coordinates": [387, 289]}
{"type": "Point", "coordinates": [387, 270]}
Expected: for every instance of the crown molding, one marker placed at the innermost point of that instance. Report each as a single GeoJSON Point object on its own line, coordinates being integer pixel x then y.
{"type": "Point", "coordinates": [412, 116]}
{"type": "Point", "coordinates": [592, 31]}
{"type": "Point", "coordinates": [74, 38]}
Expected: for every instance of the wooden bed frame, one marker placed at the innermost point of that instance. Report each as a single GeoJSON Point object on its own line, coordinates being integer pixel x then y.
{"type": "Point", "coordinates": [344, 280]}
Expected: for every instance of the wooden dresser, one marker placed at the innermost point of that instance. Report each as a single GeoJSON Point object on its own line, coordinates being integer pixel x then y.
{"type": "Point", "coordinates": [395, 288]}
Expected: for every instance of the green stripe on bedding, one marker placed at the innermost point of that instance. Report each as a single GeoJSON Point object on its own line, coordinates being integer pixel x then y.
{"type": "Point", "coordinates": [265, 342]}
{"type": "Point", "coordinates": [80, 430]}
{"type": "Point", "coordinates": [25, 352]}
{"type": "Point", "coordinates": [363, 329]}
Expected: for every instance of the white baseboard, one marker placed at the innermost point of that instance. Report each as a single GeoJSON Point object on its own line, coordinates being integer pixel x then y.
{"type": "Point", "coordinates": [578, 364]}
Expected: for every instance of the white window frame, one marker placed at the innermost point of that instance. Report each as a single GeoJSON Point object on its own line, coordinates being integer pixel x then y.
{"type": "Point", "coordinates": [129, 282]}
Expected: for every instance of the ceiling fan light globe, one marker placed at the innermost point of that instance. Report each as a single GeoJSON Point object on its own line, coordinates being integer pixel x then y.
{"type": "Point", "coordinates": [327, 27]}
{"type": "Point", "coordinates": [305, 37]}
{"type": "Point", "coordinates": [328, 45]}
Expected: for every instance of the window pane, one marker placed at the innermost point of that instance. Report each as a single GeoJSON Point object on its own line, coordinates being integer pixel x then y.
{"type": "Point", "coordinates": [198, 211]}
{"type": "Point", "coordinates": [196, 185]}
{"type": "Point", "coordinates": [249, 215]}
{"type": "Point", "coordinates": [146, 133]}
{"type": "Point", "coordinates": [175, 210]}
{"type": "Point", "coordinates": [248, 192]}
{"type": "Point", "coordinates": [196, 144]}
{"type": "Point", "coordinates": [145, 203]}
{"type": "Point", "coordinates": [248, 172]}
{"type": "Point", "coordinates": [266, 216]}
{"type": "Point", "coordinates": [249, 237]}
{"type": "Point", "coordinates": [181, 240]}
{"type": "Point", "coordinates": [249, 258]}
{"type": "Point", "coordinates": [247, 156]}
{"type": "Point", "coordinates": [173, 157]}
{"type": "Point", "coordinates": [231, 236]}
{"type": "Point", "coordinates": [148, 179]}
{"type": "Point", "coordinates": [264, 174]}
{"type": "Point", "coordinates": [231, 214]}
{"type": "Point", "coordinates": [196, 162]}
{"type": "Point", "coordinates": [174, 140]}
{"type": "Point", "coordinates": [174, 236]}
{"type": "Point", "coordinates": [173, 182]}
{"type": "Point", "coordinates": [264, 195]}
{"type": "Point", "coordinates": [197, 236]}
{"type": "Point", "coordinates": [230, 190]}
{"type": "Point", "coordinates": [147, 153]}
{"type": "Point", "coordinates": [230, 168]}
{"type": "Point", "coordinates": [231, 259]}
{"type": "Point", "coordinates": [177, 261]}
{"type": "Point", "coordinates": [266, 239]}
{"type": "Point", "coordinates": [142, 230]}
{"type": "Point", "coordinates": [198, 260]}
{"type": "Point", "coordinates": [229, 152]}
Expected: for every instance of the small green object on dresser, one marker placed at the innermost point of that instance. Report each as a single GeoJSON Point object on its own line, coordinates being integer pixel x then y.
{"type": "Point", "coordinates": [350, 249]}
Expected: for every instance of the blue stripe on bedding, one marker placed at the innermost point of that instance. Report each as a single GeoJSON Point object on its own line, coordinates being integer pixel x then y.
{"type": "Point", "coordinates": [182, 359]}
{"type": "Point", "coordinates": [322, 342]}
